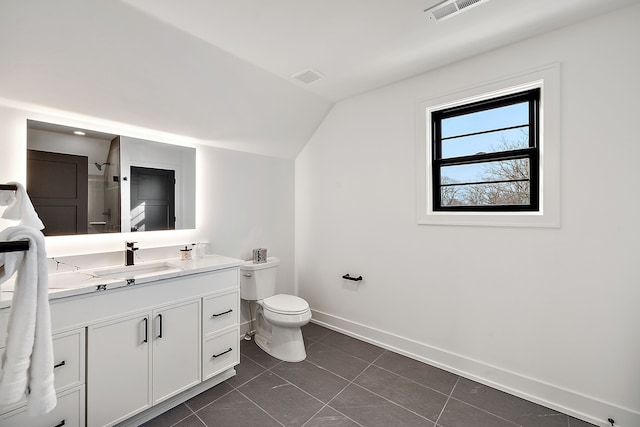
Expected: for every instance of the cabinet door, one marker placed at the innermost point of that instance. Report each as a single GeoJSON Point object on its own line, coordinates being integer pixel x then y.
{"type": "Point", "coordinates": [176, 349]}
{"type": "Point", "coordinates": [118, 374]}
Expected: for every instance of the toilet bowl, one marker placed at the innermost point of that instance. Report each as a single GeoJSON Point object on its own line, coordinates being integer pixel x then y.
{"type": "Point", "coordinates": [279, 316]}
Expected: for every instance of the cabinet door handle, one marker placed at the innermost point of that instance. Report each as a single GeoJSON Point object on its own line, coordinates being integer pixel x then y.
{"type": "Point", "coordinates": [220, 354]}
{"type": "Point", "coordinates": [57, 365]}
{"type": "Point", "coordinates": [224, 312]}
{"type": "Point", "coordinates": [146, 330]}
{"type": "Point", "coordinates": [60, 424]}
{"type": "Point", "coordinates": [160, 331]}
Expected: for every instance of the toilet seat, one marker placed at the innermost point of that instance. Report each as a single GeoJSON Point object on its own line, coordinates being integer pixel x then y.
{"type": "Point", "coordinates": [285, 304]}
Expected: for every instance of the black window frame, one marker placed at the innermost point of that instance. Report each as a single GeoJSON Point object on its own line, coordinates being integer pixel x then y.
{"type": "Point", "coordinates": [532, 153]}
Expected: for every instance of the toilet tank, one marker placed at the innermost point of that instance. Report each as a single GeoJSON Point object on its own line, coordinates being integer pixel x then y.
{"type": "Point", "coordinates": [258, 281]}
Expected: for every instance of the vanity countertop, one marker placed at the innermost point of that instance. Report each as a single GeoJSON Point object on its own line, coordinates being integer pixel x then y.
{"type": "Point", "coordinates": [101, 279]}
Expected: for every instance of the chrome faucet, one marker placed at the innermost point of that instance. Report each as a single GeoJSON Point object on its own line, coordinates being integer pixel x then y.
{"type": "Point", "coordinates": [129, 252]}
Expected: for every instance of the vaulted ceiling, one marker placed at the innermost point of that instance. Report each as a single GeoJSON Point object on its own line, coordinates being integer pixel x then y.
{"type": "Point", "coordinates": [220, 70]}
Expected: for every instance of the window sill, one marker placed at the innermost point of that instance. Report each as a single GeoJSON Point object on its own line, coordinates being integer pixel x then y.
{"type": "Point", "coordinates": [491, 219]}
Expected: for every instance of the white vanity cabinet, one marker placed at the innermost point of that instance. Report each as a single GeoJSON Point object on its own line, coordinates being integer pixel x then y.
{"type": "Point", "coordinates": [139, 360]}
{"type": "Point", "coordinates": [127, 354]}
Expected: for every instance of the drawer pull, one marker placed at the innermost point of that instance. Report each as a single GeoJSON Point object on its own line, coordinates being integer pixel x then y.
{"type": "Point", "coordinates": [60, 424]}
{"type": "Point", "coordinates": [57, 365]}
{"type": "Point", "coordinates": [146, 330]}
{"type": "Point", "coordinates": [224, 312]}
{"type": "Point", "coordinates": [220, 354]}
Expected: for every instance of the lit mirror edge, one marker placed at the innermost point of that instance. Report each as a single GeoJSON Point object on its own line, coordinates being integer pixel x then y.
{"type": "Point", "coordinates": [89, 244]}
{"type": "Point", "coordinates": [187, 181]}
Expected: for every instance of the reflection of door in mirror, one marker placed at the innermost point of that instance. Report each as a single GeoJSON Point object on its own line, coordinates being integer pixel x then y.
{"type": "Point", "coordinates": [152, 199]}
{"type": "Point", "coordinates": [57, 186]}
{"type": "Point", "coordinates": [100, 191]}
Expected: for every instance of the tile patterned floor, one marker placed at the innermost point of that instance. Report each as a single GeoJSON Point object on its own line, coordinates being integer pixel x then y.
{"type": "Point", "coordinates": [345, 382]}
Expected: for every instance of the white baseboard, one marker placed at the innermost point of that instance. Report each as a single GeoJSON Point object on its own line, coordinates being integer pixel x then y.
{"type": "Point", "coordinates": [566, 401]}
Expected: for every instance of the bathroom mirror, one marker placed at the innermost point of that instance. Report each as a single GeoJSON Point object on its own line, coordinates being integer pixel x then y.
{"type": "Point", "coordinates": [82, 181]}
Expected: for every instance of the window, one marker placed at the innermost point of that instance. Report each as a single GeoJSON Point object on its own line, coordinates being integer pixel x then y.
{"type": "Point", "coordinates": [485, 155]}
{"type": "Point", "coordinates": [489, 154]}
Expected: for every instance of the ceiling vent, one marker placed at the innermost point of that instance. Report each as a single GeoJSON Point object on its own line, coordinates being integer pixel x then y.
{"type": "Point", "coordinates": [308, 76]}
{"type": "Point", "coordinates": [450, 8]}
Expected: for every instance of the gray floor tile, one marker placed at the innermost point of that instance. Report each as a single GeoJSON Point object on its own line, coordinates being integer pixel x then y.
{"type": "Point", "coordinates": [360, 349]}
{"type": "Point", "coordinates": [170, 417]}
{"type": "Point", "coordinates": [245, 371]}
{"type": "Point", "coordinates": [316, 381]}
{"type": "Point", "coordinates": [206, 397]}
{"type": "Point", "coordinates": [251, 350]}
{"type": "Point", "coordinates": [408, 394]}
{"type": "Point", "coordinates": [419, 372]}
{"type": "Point", "coordinates": [281, 399]}
{"type": "Point", "coordinates": [574, 422]}
{"type": "Point", "coordinates": [394, 391]}
{"type": "Point", "coordinates": [507, 406]}
{"type": "Point", "coordinates": [459, 414]}
{"type": "Point", "coordinates": [235, 410]}
{"type": "Point", "coordinates": [192, 421]}
{"type": "Point", "coordinates": [335, 361]}
{"type": "Point", "coordinates": [371, 410]}
{"type": "Point", "coordinates": [328, 417]}
{"type": "Point", "coordinates": [315, 332]}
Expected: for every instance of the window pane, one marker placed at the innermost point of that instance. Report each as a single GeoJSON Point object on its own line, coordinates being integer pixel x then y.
{"type": "Point", "coordinates": [501, 170]}
{"type": "Point", "coordinates": [514, 193]}
{"type": "Point", "coordinates": [512, 139]}
{"type": "Point", "coordinates": [496, 118]}
{"type": "Point", "coordinates": [504, 182]}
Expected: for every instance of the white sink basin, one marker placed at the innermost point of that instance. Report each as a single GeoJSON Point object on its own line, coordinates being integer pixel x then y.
{"type": "Point", "coordinates": [152, 271]}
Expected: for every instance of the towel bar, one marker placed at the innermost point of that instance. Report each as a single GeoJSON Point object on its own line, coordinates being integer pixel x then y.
{"type": "Point", "coordinates": [14, 246]}
{"type": "Point", "coordinates": [8, 187]}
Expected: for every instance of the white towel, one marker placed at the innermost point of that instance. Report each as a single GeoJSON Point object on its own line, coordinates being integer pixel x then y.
{"type": "Point", "coordinates": [22, 210]}
{"type": "Point", "coordinates": [27, 363]}
{"type": "Point", "coordinates": [7, 197]}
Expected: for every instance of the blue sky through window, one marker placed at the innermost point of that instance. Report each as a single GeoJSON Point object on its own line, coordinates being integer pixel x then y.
{"type": "Point", "coordinates": [497, 118]}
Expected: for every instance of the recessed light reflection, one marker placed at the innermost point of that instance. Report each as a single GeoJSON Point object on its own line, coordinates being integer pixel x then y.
{"type": "Point", "coordinates": [79, 132]}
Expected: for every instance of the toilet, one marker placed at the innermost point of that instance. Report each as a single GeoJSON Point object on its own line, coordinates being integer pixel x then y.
{"type": "Point", "coordinates": [279, 316]}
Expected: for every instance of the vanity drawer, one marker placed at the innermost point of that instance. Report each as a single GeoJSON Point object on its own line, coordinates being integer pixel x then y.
{"type": "Point", "coordinates": [68, 412]}
{"type": "Point", "coordinates": [68, 361]}
{"type": "Point", "coordinates": [220, 312]}
{"type": "Point", "coordinates": [220, 353]}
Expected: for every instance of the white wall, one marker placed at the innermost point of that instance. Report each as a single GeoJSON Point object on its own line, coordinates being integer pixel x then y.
{"type": "Point", "coordinates": [549, 314]}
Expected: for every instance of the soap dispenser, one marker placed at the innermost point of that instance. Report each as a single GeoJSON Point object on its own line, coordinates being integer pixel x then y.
{"type": "Point", "coordinates": [185, 254]}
